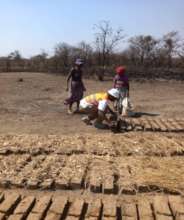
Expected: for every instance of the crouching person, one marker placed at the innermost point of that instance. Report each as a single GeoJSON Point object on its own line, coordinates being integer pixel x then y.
{"type": "Point", "coordinates": [96, 106]}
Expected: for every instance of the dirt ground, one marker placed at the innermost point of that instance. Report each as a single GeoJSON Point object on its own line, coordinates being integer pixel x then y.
{"type": "Point", "coordinates": [35, 106]}
{"type": "Point", "coordinates": [53, 150]}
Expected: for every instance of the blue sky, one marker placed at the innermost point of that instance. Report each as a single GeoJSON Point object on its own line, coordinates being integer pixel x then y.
{"type": "Point", "coordinates": [33, 25]}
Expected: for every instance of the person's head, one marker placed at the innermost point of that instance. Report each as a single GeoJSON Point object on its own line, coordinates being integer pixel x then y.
{"type": "Point", "coordinates": [79, 63]}
{"type": "Point", "coordinates": [120, 70]}
{"type": "Point", "coordinates": [113, 94]}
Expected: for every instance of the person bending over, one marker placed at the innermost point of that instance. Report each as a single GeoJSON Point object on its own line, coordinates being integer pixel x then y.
{"type": "Point", "coordinates": [96, 106]}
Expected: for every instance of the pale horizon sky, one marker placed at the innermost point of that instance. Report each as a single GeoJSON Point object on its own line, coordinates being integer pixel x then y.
{"type": "Point", "coordinates": [32, 25]}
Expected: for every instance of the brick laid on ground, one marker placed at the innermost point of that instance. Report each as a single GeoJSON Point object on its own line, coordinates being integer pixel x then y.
{"type": "Point", "coordinates": [76, 182]}
{"type": "Point", "coordinates": [179, 217]}
{"type": "Point", "coordinates": [76, 208]}
{"type": "Point", "coordinates": [164, 217]}
{"type": "Point", "coordinates": [35, 216]}
{"type": "Point", "coordinates": [94, 208]}
{"type": "Point", "coordinates": [42, 205]}
{"type": "Point", "coordinates": [52, 216]}
{"type": "Point", "coordinates": [61, 183]}
{"type": "Point", "coordinates": [144, 208]}
{"type": "Point", "coordinates": [129, 218]}
{"type": "Point", "coordinates": [32, 184]}
{"type": "Point", "coordinates": [58, 205]}
{"type": "Point", "coordinates": [161, 125]}
{"type": "Point", "coordinates": [108, 184]}
{"type": "Point", "coordinates": [129, 210]}
{"type": "Point", "coordinates": [177, 205]}
{"type": "Point", "coordinates": [109, 209]}
{"type": "Point", "coordinates": [47, 184]}
{"type": "Point", "coordinates": [16, 217]}
{"type": "Point", "coordinates": [25, 205]}
{"type": "Point", "coordinates": [161, 205]}
{"type": "Point", "coordinates": [10, 202]}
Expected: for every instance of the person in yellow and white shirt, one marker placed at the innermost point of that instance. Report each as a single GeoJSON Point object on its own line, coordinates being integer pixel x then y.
{"type": "Point", "coordinates": [97, 106]}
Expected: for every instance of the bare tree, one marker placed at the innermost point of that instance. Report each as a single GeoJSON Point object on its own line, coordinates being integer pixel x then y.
{"type": "Point", "coordinates": [63, 52]}
{"type": "Point", "coordinates": [106, 40]}
{"type": "Point", "coordinates": [171, 44]}
{"type": "Point", "coordinates": [142, 49]}
{"type": "Point", "coordinates": [15, 55]}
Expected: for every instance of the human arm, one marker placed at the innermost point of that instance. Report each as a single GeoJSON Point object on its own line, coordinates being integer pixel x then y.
{"type": "Point", "coordinates": [103, 109]}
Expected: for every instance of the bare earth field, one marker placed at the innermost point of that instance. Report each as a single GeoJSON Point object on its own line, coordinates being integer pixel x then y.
{"type": "Point", "coordinates": [52, 166]}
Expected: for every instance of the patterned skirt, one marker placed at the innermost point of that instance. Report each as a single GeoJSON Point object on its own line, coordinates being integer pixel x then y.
{"type": "Point", "coordinates": [76, 92]}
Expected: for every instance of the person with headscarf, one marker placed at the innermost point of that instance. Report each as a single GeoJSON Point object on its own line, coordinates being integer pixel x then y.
{"type": "Point", "coordinates": [75, 85]}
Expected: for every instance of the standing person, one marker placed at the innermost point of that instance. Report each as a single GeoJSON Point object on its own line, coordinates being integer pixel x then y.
{"type": "Point", "coordinates": [121, 82]}
{"type": "Point", "coordinates": [76, 86]}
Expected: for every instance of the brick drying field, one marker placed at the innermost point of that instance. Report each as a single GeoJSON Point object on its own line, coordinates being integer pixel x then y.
{"type": "Point", "coordinates": [52, 166]}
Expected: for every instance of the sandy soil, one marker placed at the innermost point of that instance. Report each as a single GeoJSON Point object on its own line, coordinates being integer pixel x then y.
{"type": "Point", "coordinates": [35, 106]}
{"type": "Point", "coordinates": [39, 137]}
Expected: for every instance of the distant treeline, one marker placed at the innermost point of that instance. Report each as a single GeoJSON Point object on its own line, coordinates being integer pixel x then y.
{"type": "Point", "coordinates": [145, 56]}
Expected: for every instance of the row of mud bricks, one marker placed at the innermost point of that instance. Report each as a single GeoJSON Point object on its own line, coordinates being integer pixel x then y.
{"type": "Point", "coordinates": [158, 207]}
{"type": "Point", "coordinates": [157, 124]}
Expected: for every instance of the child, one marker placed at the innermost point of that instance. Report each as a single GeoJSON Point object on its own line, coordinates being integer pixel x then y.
{"type": "Point", "coordinates": [121, 82]}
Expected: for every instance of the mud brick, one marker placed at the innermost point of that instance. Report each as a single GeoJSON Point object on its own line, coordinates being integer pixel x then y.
{"type": "Point", "coordinates": [154, 125]}
{"type": "Point", "coordinates": [53, 216]}
{"type": "Point", "coordinates": [9, 203]}
{"type": "Point", "coordinates": [166, 124]}
{"type": "Point", "coordinates": [161, 125]}
{"type": "Point", "coordinates": [145, 123]}
{"type": "Point", "coordinates": [34, 216]}
{"type": "Point", "coordinates": [129, 218]}
{"type": "Point", "coordinates": [161, 205]}
{"type": "Point", "coordinates": [179, 217]}
{"type": "Point", "coordinates": [4, 151]}
{"type": "Point", "coordinates": [76, 207]}
{"type": "Point", "coordinates": [144, 208]}
{"type": "Point", "coordinates": [18, 182]}
{"type": "Point", "coordinates": [2, 216]}
{"type": "Point", "coordinates": [138, 124]}
{"type": "Point", "coordinates": [129, 209]}
{"type": "Point", "coordinates": [61, 183]}
{"type": "Point", "coordinates": [163, 217]}
{"type": "Point", "coordinates": [42, 204]}
{"type": "Point", "coordinates": [109, 218]}
{"type": "Point", "coordinates": [76, 182]}
{"type": "Point", "coordinates": [47, 184]}
{"type": "Point", "coordinates": [5, 183]}
{"type": "Point", "coordinates": [177, 205]}
{"type": "Point", "coordinates": [108, 185]}
{"type": "Point", "coordinates": [94, 208]}
{"type": "Point", "coordinates": [176, 125]}
{"type": "Point", "coordinates": [72, 218]}
{"type": "Point", "coordinates": [91, 218]}
{"type": "Point", "coordinates": [95, 184]}
{"type": "Point", "coordinates": [25, 205]}
{"type": "Point", "coordinates": [58, 205]}
{"type": "Point", "coordinates": [147, 218]}
{"type": "Point", "coordinates": [109, 209]}
{"type": "Point", "coordinates": [127, 188]}
{"type": "Point", "coordinates": [16, 217]}
{"type": "Point", "coordinates": [32, 184]}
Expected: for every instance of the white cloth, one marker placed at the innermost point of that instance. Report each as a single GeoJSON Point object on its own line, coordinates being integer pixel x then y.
{"type": "Point", "coordinates": [102, 105]}
{"type": "Point", "coordinates": [84, 104]}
